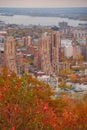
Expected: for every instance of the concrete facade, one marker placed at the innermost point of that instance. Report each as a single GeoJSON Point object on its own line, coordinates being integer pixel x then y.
{"type": "Point", "coordinates": [49, 52]}
{"type": "Point", "coordinates": [10, 54]}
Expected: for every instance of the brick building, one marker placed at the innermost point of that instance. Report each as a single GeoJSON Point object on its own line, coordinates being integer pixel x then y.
{"type": "Point", "coordinates": [80, 44]}
{"type": "Point", "coordinates": [45, 56]}
{"type": "Point", "coordinates": [3, 36]}
{"type": "Point", "coordinates": [49, 52]}
{"type": "Point", "coordinates": [10, 54]}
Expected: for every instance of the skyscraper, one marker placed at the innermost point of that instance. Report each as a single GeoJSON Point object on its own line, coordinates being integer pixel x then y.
{"type": "Point", "coordinates": [49, 51]}
{"type": "Point", "coordinates": [10, 54]}
{"type": "Point", "coordinates": [86, 48]}
{"type": "Point", "coordinates": [44, 52]}
{"type": "Point", "coordinates": [55, 50]}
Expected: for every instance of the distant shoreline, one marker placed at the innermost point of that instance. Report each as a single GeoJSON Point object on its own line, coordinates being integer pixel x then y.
{"type": "Point", "coordinates": [75, 13]}
{"type": "Point", "coordinates": [44, 16]}
{"type": "Point", "coordinates": [72, 18]}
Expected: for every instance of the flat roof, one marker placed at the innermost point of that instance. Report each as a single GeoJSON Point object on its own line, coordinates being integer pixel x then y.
{"type": "Point", "coordinates": [1, 32]}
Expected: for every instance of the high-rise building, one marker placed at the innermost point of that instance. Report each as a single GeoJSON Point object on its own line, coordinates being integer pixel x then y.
{"type": "Point", "coordinates": [49, 52]}
{"type": "Point", "coordinates": [68, 51]}
{"type": "Point", "coordinates": [10, 54]}
{"type": "Point", "coordinates": [45, 52]}
{"type": "Point", "coordinates": [80, 46]}
{"type": "Point", "coordinates": [29, 40]}
{"type": "Point", "coordinates": [2, 57]}
{"type": "Point", "coordinates": [55, 50]}
{"type": "Point", "coordinates": [86, 48]}
{"type": "Point", "coordinates": [63, 25]}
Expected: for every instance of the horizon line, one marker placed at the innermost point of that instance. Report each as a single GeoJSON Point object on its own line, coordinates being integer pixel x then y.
{"type": "Point", "coordinates": [45, 7]}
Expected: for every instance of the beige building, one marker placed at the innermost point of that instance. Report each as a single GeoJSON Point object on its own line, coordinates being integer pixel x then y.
{"type": "Point", "coordinates": [86, 48]}
{"type": "Point", "coordinates": [80, 47]}
{"type": "Point", "coordinates": [55, 50]}
{"type": "Point", "coordinates": [10, 54]}
{"type": "Point", "coordinates": [45, 52]}
{"type": "Point", "coordinates": [49, 52]}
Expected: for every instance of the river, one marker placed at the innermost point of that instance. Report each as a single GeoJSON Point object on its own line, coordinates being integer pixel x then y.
{"type": "Point", "coordinates": [45, 21]}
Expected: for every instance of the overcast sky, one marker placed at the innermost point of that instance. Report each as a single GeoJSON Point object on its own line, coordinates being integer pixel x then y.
{"type": "Point", "coordinates": [43, 3]}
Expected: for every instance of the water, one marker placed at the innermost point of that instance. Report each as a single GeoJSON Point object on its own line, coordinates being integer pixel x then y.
{"type": "Point", "coordinates": [27, 20]}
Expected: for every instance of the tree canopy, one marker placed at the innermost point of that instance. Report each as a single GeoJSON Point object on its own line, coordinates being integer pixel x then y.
{"type": "Point", "coordinates": [26, 104]}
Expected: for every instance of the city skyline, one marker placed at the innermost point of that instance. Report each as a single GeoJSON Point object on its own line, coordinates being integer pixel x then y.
{"type": "Point", "coordinates": [43, 3]}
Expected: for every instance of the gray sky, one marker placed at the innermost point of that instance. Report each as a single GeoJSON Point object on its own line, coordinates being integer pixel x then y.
{"type": "Point", "coordinates": [43, 3]}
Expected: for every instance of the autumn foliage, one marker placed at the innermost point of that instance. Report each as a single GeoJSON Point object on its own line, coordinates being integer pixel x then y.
{"type": "Point", "coordinates": [26, 104]}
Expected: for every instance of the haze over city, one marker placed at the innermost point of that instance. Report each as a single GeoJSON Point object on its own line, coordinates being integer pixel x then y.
{"type": "Point", "coordinates": [43, 3]}
{"type": "Point", "coordinates": [43, 64]}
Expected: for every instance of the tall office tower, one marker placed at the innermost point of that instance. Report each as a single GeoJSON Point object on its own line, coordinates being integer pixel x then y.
{"type": "Point", "coordinates": [74, 48]}
{"type": "Point", "coordinates": [80, 46]}
{"type": "Point", "coordinates": [79, 42]}
{"type": "Point", "coordinates": [45, 50]}
{"type": "Point", "coordinates": [29, 40]}
{"type": "Point", "coordinates": [86, 48]}
{"type": "Point", "coordinates": [2, 61]}
{"type": "Point", "coordinates": [49, 52]}
{"type": "Point", "coordinates": [10, 54]}
{"type": "Point", "coordinates": [55, 50]}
